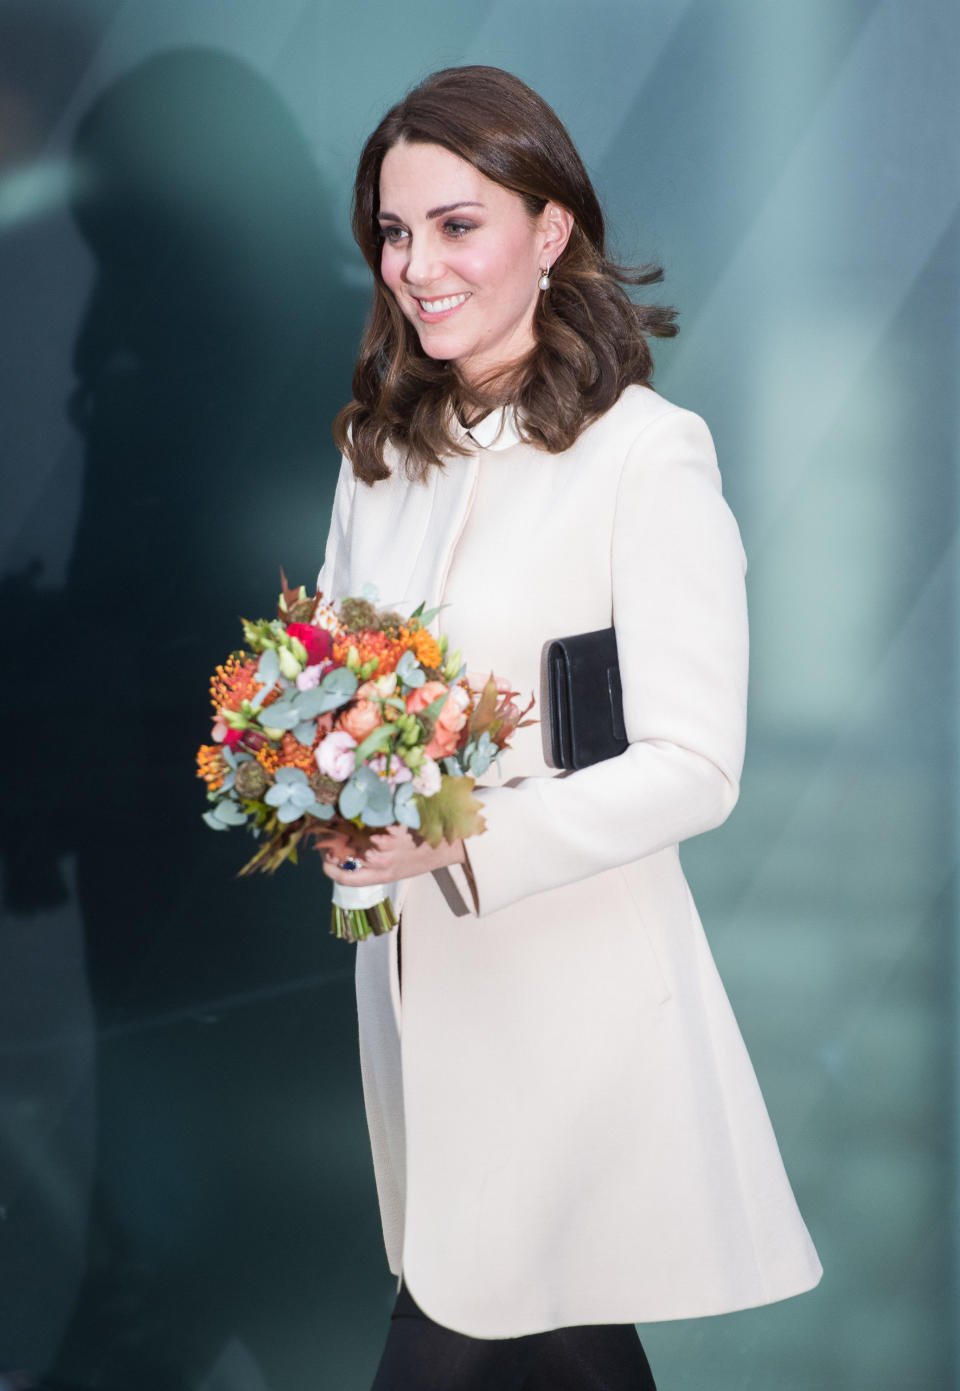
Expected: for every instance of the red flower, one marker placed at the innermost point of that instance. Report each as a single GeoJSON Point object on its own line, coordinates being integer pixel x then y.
{"type": "Point", "coordinates": [233, 737]}
{"type": "Point", "coordinates": [316, 640]}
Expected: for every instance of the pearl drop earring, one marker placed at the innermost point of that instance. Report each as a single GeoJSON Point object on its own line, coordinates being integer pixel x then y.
{"type": "Point", "coordinates": [544, 281]}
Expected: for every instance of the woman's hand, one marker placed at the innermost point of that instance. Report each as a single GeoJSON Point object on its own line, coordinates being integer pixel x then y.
{"type": "Point", "coordinates": [394, 854]}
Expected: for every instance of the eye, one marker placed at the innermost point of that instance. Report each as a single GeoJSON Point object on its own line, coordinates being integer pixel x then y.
{"type": "Point", "coordinates": [393, 233]}
{"type": "Point", "coordinates": [458, 229]}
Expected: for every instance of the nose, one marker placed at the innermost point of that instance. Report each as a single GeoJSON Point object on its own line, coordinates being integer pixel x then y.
{"type": "Point", "coordinates": [424, 264]}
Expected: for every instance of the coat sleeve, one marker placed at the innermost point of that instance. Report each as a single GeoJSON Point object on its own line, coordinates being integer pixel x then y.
{"type": "Point", "coordinates": [679, 609]}
{"type": "Point", "coordinates": [335, 553]}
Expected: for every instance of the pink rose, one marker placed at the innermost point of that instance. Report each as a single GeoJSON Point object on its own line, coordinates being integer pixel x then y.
{"type": "Point", "coordinates": [423, 696]}
{"type": "Point", "coordinates": [334, 755]}
{"type": "Point", "coordinates": [361, 719]}
{"type": "Point", "coordinates": [450, 721]}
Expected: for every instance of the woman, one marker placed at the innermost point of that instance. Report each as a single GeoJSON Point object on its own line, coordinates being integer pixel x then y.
{"type": "Point", "coordinates": [567, 1133]}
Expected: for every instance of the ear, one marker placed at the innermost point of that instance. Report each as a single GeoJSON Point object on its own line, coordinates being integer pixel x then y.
{"type": "Point", "coordinates": [556, 224]}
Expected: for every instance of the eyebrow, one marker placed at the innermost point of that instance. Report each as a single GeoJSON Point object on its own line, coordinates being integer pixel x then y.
{"type": "Point", "coordinates": [384, 216]}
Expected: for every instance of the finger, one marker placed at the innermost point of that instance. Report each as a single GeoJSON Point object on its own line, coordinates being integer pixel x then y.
{"type": "Point", "coordinates": [379, 862]}
{"type": "Point", "coordinates": [390, 836]}
{"type": "Point", "coordinates": [358, 879]}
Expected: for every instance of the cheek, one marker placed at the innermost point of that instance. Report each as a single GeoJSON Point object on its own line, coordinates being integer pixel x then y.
{"type": "Point", "coordinates": [390, 267]}
{"type": "Point", "coordinates": [517, 272]}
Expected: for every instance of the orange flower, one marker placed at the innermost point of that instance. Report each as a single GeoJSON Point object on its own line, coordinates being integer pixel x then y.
{"type": "Point", "coordinates": [423, 646]}
{"type": "Point", "coordinates": [233, 682]}
{"type": "Point", "coordinates": [291, 754]}
{"type": "Point", "coordinates": [211, 765]}
{"type": "Point", "coordinates": [236, 681]}
{"type": "Point", "coordinates": [387, 650]}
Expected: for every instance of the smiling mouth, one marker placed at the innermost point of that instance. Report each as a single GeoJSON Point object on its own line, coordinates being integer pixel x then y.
{"type": "Point", "coordinates": [442, 306]}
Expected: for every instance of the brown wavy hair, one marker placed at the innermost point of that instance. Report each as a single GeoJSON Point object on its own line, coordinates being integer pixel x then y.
{"type": "Point", "coordinates": [590, 338]}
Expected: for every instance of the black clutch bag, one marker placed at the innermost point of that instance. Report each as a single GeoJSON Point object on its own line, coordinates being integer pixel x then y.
{"type": "Point", "coordinates": [586, 703]}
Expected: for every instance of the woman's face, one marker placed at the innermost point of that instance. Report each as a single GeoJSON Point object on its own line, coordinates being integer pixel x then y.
{"type": "Point", "coordinates": [462, 256]}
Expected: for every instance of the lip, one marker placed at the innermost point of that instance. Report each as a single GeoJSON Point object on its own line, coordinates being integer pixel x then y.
{"type": "Point", "coordinates": [436, 316]}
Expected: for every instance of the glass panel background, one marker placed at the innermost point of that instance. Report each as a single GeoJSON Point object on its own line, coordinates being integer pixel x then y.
{"type": "Point", "coordinates": [185, 1192]}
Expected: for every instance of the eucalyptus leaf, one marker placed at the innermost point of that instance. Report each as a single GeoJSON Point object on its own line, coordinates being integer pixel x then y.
{"type": "Point", "coordinates": [305, 731]}
{"type": "Point", "coordinates": [410, 672]}
{"type": "Point", "coordinates": [405, 807]}
{"type": "Point", "coordinates": [379, 808]}
{"type": "Point", "coordinates": [214, 823]}
{"type": "Point", "coordinates": [321, 810]}
{"type": "Point", "coordinates": [479, 761]}
{"type": "Point", "coordinates": [268, 667]}
{"type": "Point", "coordinates": [353, 799]}
{"type": "Point", "coordinates": [289, 812]}
{"type": "Point", "coordinates": [228, 782]}
{"type": "Point", "coordinates": [291, 777]}
{"type": "Point", "coordinates": [318, 702]}
{"type": "Point", "coordinates": [340, 681]}
{"type": "Point", "coordinates": [282, 714]}
{"type": "Point", "coordinates": [229, 757]}
{"type": "Point", "coordinates": [230, 814]}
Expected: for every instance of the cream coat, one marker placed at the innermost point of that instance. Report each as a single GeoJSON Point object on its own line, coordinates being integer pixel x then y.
{"type": "Point", "coordinates": [565, 1124]}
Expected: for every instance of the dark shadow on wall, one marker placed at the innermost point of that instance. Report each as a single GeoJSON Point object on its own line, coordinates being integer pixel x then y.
{"type": "Point", "coordinates": [233, 1207]}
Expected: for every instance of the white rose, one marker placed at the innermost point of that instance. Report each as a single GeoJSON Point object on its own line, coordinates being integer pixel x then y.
{"type": "Point", "coordinates": [427, 780]}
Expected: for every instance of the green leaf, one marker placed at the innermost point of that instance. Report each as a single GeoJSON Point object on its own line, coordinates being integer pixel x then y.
{"type": "Point", "coordinates": [375, 741]}
{"type": "Point", "coordinates": [432, 710]}
{"type": "Point", "coordinates": [452, 813]}
{"type": "Point", "coordinates": [431, 614]}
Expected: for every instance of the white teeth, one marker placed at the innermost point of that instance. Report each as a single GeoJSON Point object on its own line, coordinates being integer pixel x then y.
{"type": "Point", "coordinates": [437, 306]}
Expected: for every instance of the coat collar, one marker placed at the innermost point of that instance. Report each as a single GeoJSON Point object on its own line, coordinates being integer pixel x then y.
{"type": "Point", "coordinates": [497, 430]}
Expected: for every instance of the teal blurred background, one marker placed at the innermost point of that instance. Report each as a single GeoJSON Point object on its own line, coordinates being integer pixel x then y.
{"type": "Point", "coordinates": [186, 1200]}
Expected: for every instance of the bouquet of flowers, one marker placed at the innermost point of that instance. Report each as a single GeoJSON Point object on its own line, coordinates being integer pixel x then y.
{"type": "Point", "coordinates": [337, 720]}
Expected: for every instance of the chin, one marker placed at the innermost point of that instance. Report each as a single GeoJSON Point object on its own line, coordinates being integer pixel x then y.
{"type": "Point", "coordinates": [435, 347]}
